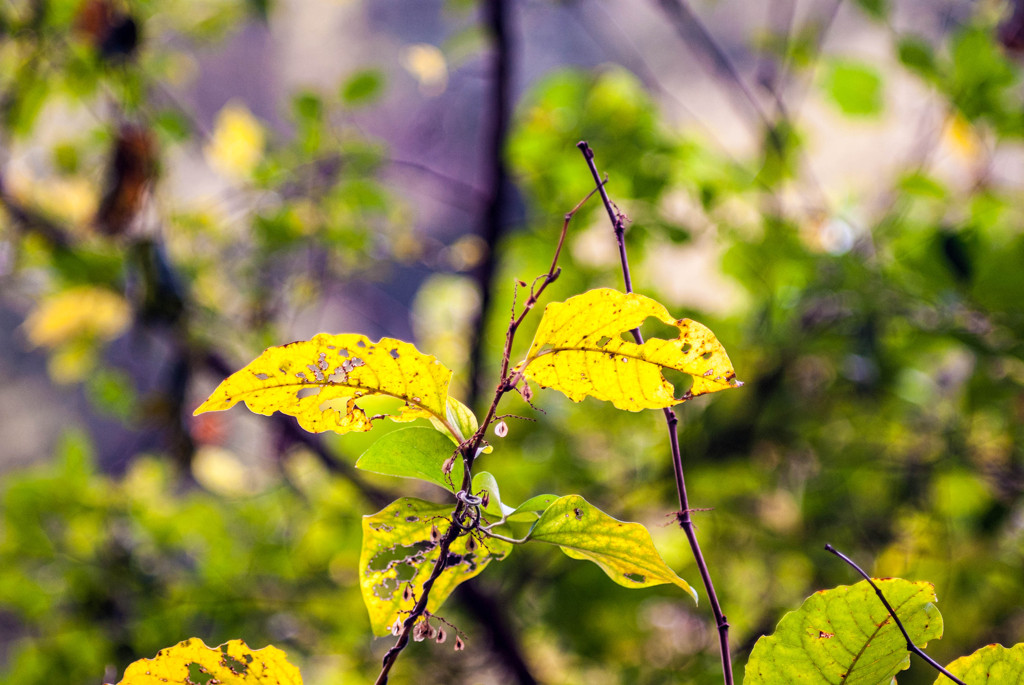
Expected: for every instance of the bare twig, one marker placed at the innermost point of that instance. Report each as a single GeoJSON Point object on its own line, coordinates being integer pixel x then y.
{"type": "Point", "coordinates": [910, 643]}
{"type": "Point", "coordinates": [671, 421]}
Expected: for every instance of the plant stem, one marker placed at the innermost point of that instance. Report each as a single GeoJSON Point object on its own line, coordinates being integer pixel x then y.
{"type": "Point", "coordinates": [469, 449]}
{"type": "Point", "coordinates": [910, 643]}
{"type": "Point", "coordinates": [672, 421]}
{"type": "Point", "coordinates": [421, 606]}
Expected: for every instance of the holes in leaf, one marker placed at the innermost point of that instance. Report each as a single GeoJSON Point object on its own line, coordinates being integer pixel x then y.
{"type": "Point", "coordinates": [262, 376]}
{"type": "Point", "coordinates": [399, 554]}
{"type": "Point", "coordinates": [681, 382]}
{"type": "Point", "coordinates": [234, 665]}
{"type": "Point", "coordinates": [405, 572]}
{"type": "Point", "coordinates": [343, 352]}
{"type": "Point", "coordinates": [353, 363]}
{"type": "Point", "coordinates": [635, 577]}
{"type": "Point", "coordinates": [603, 340]}
{"type": "Point", "coordinates": [653, 327]}
{"type": "Point", "coordinates": [317, 373]}
{"type": "Point", "coordinates": [454, 560]}
{"type": "Point", "coordinates": [386, 588]}
{"type": "Point", "coordinates": [198, 675]}
{"type": "Point", "coordinates": [393, 353]}
{"type": "Point", "coordinates": [303, 393]}
{"type": "Point", "coordinates": [361, 343]}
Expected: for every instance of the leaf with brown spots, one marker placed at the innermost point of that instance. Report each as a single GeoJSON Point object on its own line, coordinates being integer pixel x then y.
{"type": "Point", "coordinates": [322, 381]}
{"type": "Point", "coordinates": [233, 663]}
{"type": "Point", "coordinates": [845, 635]}
{"type": "Point", "coordinates": [624, 551]}
{"type": "Point", "coordinates": [400, 547]}
{"type": "Point", "coordinates": [579, 350]}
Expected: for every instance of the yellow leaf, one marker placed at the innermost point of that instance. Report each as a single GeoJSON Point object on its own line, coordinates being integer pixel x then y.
{"type": "Point", "coordinates": [84, 312]}
{"type": "Point", "coordinates": [320, 381]}
{"type": "Point", "coordinates": [579, 351]}
{"type": "Point", "coordinates": [237, 141]}
{"type": "Point", "coordinates": [400, 548]}
{"type": "Point", "coordinates": [233, 663]}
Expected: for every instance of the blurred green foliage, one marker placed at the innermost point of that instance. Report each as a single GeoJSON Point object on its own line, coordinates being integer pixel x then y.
{"type": "Point", "coordinates": [880, 340]}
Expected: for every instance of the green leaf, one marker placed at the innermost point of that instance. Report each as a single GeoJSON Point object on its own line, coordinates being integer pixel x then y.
{"type": "Point", "coordinates": [846, 635]}
{"type": "Point", "coordinates": [532, 508]}
{"type": "Point", "coordinates": [363, 88]}
{"type": "Point", "coordinates": [233, 663]}
{"type": "Point", "coordinates": [399, 551]}
{"type": "Point", "coordinates": [855, 88]}
{"type": "Point", "coordinates": [624, 551]}
{"type": "Point", "coordinates": [990, 664]}
{"type": "Point", "coordinates": [578, 350]}
{"type": "Point", "coordinates": [416, 452]}
{"type": "Point", "coordinates": [320, 382]}
{"type": "Point", "coordinates": [495, 507]}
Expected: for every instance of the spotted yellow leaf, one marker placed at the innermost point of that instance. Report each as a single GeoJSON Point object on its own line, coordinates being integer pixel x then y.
{"type": "Point", "coordinates": [579, 350]}
{"type": "Point", "coordinates": [400, 548]}
{"type": "Point", "coordinates": [320, 382]}
{"type": "Point", "coordinates": [233, 663]}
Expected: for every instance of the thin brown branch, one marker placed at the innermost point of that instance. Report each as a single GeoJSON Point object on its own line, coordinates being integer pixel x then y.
{"type": "Point", "coordinates": [671, 421]}
{"type": "Point", "coordinates": [888, 607]}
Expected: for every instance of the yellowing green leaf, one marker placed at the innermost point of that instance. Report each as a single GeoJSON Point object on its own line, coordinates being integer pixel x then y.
{"type": "Point", "coordinates": [82, 312]}
{"type": "Point", "coordinates": [460, 418]}
{"type": "Point", "coordinates": [624, 551]}
{"type": "Point", "coordinates": [399, 550]}
{"type": "Point", "coordinates": [578, 350]}
{"type": "Point", "coordinates": [233, 663]}
{"type": "Point", "coordinates": [991, 664]}
{"type": "Point", "coordinates": [414, 453]}
{"type": "Point", "coordinates": [845, 635]}
{"type": "Point", "coordinates": [237, 141]}
{"type": "Point", "coordinates": [320, 381]}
